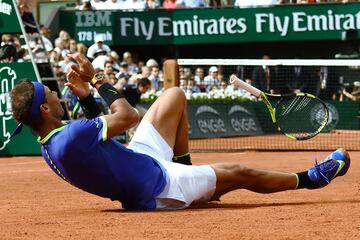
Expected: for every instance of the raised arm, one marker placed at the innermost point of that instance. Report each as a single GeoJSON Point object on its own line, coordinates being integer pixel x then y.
{"type": "Point", "coordinates": [123, 116]}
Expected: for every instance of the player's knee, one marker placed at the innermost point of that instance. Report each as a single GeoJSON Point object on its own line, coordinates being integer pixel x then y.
{"type": "Point", "coordinates": [177, 92]}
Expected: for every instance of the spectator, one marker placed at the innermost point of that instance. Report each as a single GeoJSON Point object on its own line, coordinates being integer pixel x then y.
{"type": "Point", "coordinates": [100, 58]}
{"type": "Point", "coordinates": [8, 53]}
{"type": "Point", "coordinates": [212, 79]}
{"type": "Point", "coordinates": [65, 36]}
{"type": "Point", "coordinates": [115, 59]}
{"type": "Point", "coordinates": [86, 5]}
{"type": "Point", "coordinates": [218, 3]}
{"type": "Point", "coordinates": [124, 69]}
{"type": "Point", "coordinates": [191, 87]}
{"type": "Point", "coordinates": [60, 47]}
{"type": "Point", "coordinates": [155, 79]}
{"type": "Point", "coordinates": [133, 68]}
{"type": "Point", "coordinates": [261, 76]}
{"type": "Point", "coordinates": [122, 80]}
{"type": "Point", "coordinates": [250, 3]}
{"type": "Point", "coordinates": [108, 68]}
{"type": "Point", "coordinates": [327, 83]}
{"type": "Point", "coordinates": [46, 34]}
{"type": "Point", "coordinates": [190, 3]}
{"type": "Point", "coordinates": [133, 5]}
{"type": "Point", "coordinates": [145, 71]}
{"type": "Point", "coordinates": [152, 63]}
{"type": "Point", "coordinates": [169, 4]}
{"type": "Point", "coordinates": [81, 48]}
{"type": "Point", "coordinates": [113, 4]}
{"type": "Point", "coordinates": [72, 46]}
{"type": "Point", "coordinates": [152, 4]}
{"type": "Point", "coordinates": [183, 84]}
{"type": "Point", "coordinates": [98, 44]}
{"type": "Point", "coordinates": [66, 63]}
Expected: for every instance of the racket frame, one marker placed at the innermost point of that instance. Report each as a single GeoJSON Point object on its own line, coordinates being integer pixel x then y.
{"type": "Point", "coordinates": [264, 97]}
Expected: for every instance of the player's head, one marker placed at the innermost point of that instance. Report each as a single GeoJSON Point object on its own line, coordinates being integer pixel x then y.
{"type": "Point", "coordinates": [32, 103]}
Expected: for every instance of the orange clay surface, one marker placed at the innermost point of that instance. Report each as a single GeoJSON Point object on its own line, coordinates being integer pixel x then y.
{"type": "Point", "coordinates": [36, 204]}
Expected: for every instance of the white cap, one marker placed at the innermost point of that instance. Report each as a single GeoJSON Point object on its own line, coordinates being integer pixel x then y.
{"type": "Point", "coordinates": [213, 69]}
{"type": "Point", "coordinates": [99, 38]}
{"type": "Point", "coordinates": [151, 63]}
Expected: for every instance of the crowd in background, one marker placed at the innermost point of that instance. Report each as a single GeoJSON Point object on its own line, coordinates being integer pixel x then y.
{"type": "Point", "coordinates": [175, 4]}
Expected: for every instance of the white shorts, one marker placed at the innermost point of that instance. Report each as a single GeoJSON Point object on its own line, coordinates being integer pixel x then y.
{"type": "Point", "coordinates": [185, 184]}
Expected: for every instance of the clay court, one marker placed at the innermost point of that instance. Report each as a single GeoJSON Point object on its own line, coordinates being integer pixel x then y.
{"type": "Point", "coordinates": [36, 204]}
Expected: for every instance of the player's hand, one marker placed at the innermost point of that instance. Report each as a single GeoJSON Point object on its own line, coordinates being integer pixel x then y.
{"type": "Point", "coordinates": [76, 84]}
{"type": "Point", "coordinates": [85, 70]}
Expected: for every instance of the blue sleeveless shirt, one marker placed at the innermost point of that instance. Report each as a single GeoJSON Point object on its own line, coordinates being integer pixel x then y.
{"type": "Point", "coordinates": [81, 154]}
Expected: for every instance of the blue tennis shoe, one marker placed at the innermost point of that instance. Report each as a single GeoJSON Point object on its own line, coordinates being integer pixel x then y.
{"type": "Point", "coordinates": [336, 164]}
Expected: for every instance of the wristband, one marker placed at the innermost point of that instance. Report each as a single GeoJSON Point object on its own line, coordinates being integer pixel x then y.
{"type": "Point", "coordinates": [90, 107]}
{"type": "Point", "coordinates": [109, 93]}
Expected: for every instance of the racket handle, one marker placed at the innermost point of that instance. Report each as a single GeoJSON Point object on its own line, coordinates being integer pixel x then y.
{"type": "Point", "coordinates": [253, 90]}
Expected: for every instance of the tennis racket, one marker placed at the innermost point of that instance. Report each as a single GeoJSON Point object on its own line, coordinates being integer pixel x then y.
{"type": "Point", "coordinates": [299, 116]}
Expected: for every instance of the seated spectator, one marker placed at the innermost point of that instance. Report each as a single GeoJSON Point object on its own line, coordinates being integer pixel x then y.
{"type": "Point", "coordinates": [60, 47]}
{"type": "Point", "coordinates": [86, 6]}
{"type": "Point", "coordinates": [145, 72]}
{"type": "Point", "coordinates": [258, 3]}
{"type": "Point", "coordinates": [98, 44]}
{"type": "Point", "coordinates": [152, 4]}
{"type": "Point", "coordinates": [218, 3]}
{"type": "Point", "coordinates": [212, 79]}
{"type": "Point", "coordinates": [133, 5]}
{"type": "Point", "coordinates": [133, 68]}
{"type": "Point", "coordinates": [155, 79]}
{"type": "Point", "coordinates": [112, 4]}
{"type": "Point", "coordinates": [108, 68]}
{"type": "Point", "coordinates": [8, 53]}
{"type": "Point", "coordinates": [115, 59]}
{"type": "Point", "coordinates": [100, 58]}
{"type": "Point", "coordinates": [81, 48]}
{"type": "Point", "coordinates": [223, 86]}
{"type": "Point", "coordinates": [169, 4]}
{"type": "Point", "coordinates": [66, 63]}
{"type": "Point", "coordinates": [121, 80]}
{"type": "Point", "coordinates": [191, 87]}
{"type": "Point", "coordinates": [183, 84]}
{"type": "Point", "coordinates": [72, 46]}
{"type": "Point", "coordinates": [124, 69]}
{"type": "Point", "coordinates": [45, 35]}
{"type": "Point", "coordinates": [190, 3]}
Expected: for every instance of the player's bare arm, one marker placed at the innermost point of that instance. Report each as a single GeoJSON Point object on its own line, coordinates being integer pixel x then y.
{"type": "Point", "coordinates": [122, 116]}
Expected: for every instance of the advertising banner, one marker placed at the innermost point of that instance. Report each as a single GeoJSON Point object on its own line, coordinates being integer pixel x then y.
{"type": "Point", "coordinates": [214, 25]}
{"type": "Point", "coordinates": [8, 20]}
{"type": "Point", "coordinates": [24, 143]}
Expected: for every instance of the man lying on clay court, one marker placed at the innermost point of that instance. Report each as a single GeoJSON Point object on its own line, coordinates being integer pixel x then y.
{"type": "Point", "coordinates": [142, 176]}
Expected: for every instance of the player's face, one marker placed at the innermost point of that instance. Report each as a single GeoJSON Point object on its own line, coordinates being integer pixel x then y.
{"type": "Point", "coordinates": [53, 102]}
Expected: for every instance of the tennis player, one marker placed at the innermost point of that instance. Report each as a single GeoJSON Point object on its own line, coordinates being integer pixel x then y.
{"type": "Point", "coordinates": [142, 176]}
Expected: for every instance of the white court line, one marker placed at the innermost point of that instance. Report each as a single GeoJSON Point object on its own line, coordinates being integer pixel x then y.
{"type": "Point", "coordinates": [20, 163]}
{"type": "Point", "coordinates": [231, 154]}
{"type": "Point", "coordinates": [25, 171]}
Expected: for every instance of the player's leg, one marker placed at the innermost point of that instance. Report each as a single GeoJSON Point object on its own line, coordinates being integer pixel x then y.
{"type": "Point", "coordinates": [168, 114]}
{"type": "Point", "coordinates": [236, 176]}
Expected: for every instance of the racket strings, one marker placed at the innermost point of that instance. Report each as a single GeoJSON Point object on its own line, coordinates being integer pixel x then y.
{"type": "Point", "coordinates": [302, 117]}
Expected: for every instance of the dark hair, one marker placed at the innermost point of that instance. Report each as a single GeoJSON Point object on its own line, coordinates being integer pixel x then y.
{"type": "Point", "coordinates": [143, 82]}
{"type": "Point", "coordinates": [21, 99]}
{"type": "Point", "coordinates": [8, 51]}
